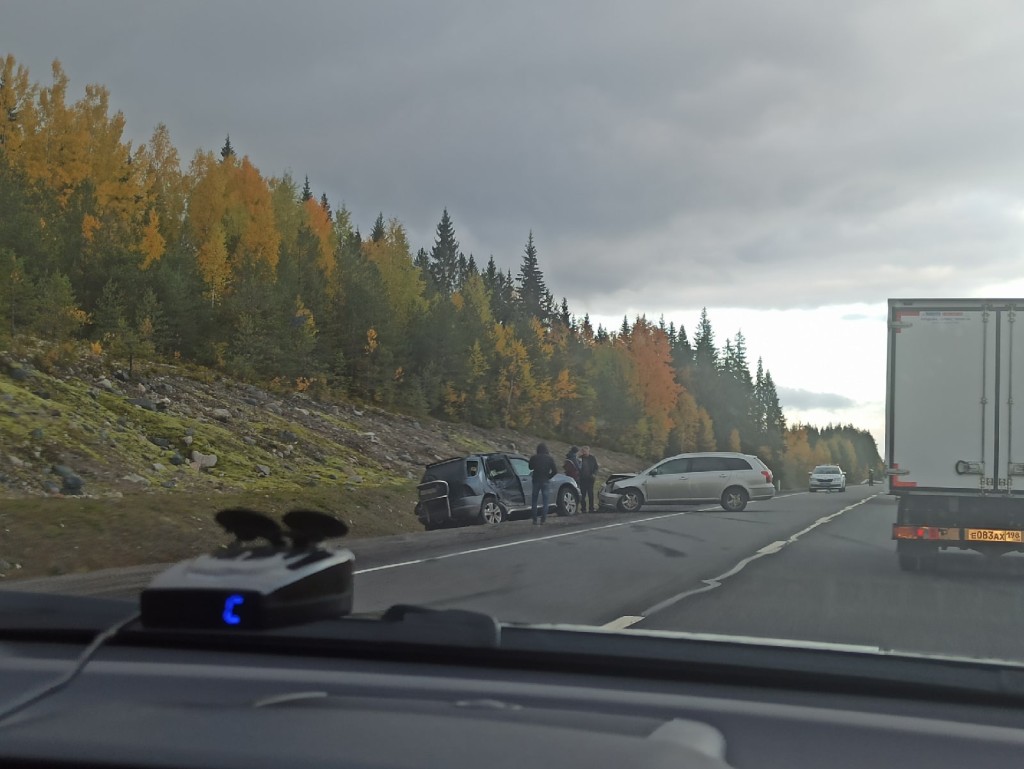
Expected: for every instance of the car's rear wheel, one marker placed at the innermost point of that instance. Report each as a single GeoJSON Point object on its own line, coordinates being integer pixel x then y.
{"type": "Point", "coordinates": [631, 501]}
{"type": "Point", "coordinates": [491, 512]}
{"type": "Point", "coordinates": [734, 499]}
{"type": "Point", "coordinates": [568, 501]}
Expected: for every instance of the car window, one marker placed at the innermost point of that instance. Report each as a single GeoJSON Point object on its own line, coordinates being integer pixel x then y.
{"type": "Point", "coordinates": [673, 467]}
{"type": "Point", "coordinates": [497, 468]}
{"type": "Point", "coordinates": [736, 463]}
{"type": "Point", "coordinates": [709, 464]}
{"type": "Point", "coordinates": [520, 465]}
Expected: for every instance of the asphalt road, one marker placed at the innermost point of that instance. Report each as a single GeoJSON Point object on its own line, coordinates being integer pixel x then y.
{"type": "Point", "coordinates": [814, 567]}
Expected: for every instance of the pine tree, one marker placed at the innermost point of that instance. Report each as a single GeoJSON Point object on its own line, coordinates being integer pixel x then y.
{"type": "Point", "coordinates": [760, 405]}
{"type": "Point", "coordinates": [422, 262]}
{"type": "Point", "coordinates": [227, 151]}
{"type": "Point", "coordinates": [563, 313]}
{"type": "Point", "coordinates": [444, 258]}
{"type": "Point", "coordinates": [378, 232]}
{"type": "Point", "coordinates": [500, 288]}
{"type": "Point", "coordinates": [682, 352]}
{"type": "Point", "coordinates": [533, 295]}
{"type": "Point", "coordinates": [624, 329]}
{"type": "Point", "coordinates": [325, 205]}
{"type": "Point", "coordinates": [705, 352]}
{"type": "Point", "coordinates": [307, 193]}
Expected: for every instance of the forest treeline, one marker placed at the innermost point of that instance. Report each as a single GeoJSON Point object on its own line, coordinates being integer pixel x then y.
{"type": "Point", "coordinates": [218, 264]}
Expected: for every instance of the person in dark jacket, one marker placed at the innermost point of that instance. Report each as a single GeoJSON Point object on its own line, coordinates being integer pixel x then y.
{"type": "Point", "coordinates": [543, 468]}
{"type": "Point", "coordinates": [588, 473]}
{"type": "Point", "coordinates": [571, 465]}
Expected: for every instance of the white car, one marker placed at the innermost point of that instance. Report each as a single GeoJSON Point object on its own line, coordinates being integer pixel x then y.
{"type": "Point", "coordinates": [827, 478]}
{"type": "Point", "coordinates": [727, 478]}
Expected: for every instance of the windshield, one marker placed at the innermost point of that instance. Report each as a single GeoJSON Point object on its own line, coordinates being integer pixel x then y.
{"type": "Point", "coordinates": [320, 255]}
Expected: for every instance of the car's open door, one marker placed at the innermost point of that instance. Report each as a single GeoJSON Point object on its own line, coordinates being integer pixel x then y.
{"type": "Point", "coordinates": [506, 481]}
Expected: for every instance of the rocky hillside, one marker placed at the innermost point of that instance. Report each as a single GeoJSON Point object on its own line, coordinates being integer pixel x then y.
{"type": "Point", "coordinates": [75, 427]}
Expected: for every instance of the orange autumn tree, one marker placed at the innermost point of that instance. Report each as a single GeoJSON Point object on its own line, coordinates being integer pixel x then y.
{"type": "Point", "coordinates": [653, 384]}
{"type": "Point", "coordinates": [231, 222]}
{"type": "Point", "coordinates": [318, 220]}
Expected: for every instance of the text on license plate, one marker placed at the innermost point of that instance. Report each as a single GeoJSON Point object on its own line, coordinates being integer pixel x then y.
{"type": "Point", "coordinates": [994, 535]}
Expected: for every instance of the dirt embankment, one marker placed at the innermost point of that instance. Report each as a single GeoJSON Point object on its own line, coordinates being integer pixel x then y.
{"type": "Point", "coordinates": [99, 469]}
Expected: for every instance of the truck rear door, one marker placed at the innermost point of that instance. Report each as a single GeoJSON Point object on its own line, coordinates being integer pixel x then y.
{"type": "Point", "coordinates": [954, 375]}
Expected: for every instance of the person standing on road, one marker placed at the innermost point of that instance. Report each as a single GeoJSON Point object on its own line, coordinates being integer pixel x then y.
{"type": "Point", "coordinates": [588, 474]}
{"type": "Point", "coordinates": [543, 468]}
{"type": "Point", "coordinates": [571, 466]}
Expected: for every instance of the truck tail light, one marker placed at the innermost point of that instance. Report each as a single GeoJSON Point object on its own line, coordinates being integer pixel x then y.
{"type": "Point", "coordinates": [916, 532]}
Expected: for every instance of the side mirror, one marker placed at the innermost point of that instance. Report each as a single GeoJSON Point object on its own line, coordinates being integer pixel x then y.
{"type": "Point", "coordinates": [654, 472]}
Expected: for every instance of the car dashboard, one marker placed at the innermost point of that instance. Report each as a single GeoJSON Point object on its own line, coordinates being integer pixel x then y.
{"type": "Point", "coordinates": [339, 694]}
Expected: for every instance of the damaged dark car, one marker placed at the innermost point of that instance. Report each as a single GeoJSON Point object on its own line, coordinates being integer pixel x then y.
{"type": "Point", "coordinates": [486, 489]}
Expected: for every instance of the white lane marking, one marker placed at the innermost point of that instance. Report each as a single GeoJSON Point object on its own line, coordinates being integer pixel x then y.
{"type": "Point", "coordinates": [418, 561]}
{"type": "Point", "coordinates": [774, 547]}
{"type": "Point", "coordinates": [621, 623]}
{"type": "Point", "coordinates": [522, 542]}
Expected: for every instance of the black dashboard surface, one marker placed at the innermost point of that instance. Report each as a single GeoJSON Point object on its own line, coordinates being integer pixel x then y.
{"type": "Point", "coordinates": [154, 706]}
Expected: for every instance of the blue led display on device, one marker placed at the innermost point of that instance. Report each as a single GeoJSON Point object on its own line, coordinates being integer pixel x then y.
{"type": "Point", "coordinates": [230, 604]}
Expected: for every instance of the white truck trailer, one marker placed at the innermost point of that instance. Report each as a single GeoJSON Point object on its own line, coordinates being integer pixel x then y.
{"type": "Point", "coordinates": [954, 434]}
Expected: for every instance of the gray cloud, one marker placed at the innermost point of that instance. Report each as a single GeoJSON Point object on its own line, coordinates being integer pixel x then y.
{"type": "Point", "coordinates": [804, 400]}
{"type": "Point", "coordinates": [793, 154]}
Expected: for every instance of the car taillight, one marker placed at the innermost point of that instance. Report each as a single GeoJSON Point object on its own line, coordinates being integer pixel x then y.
{"type": "Point", "coordinates": [767, 475]}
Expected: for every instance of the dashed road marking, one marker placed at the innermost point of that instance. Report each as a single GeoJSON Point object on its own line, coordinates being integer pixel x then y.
{"type": "Point", "coordinates": [771, 549]}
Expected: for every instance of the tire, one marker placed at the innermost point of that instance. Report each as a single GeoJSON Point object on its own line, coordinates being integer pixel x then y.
{"type": "Point", "coordinates": [909, 562]}
{"type": "Point", "coordinates": [915, 557]}
{"type": "Point", "coordinates": [812, 490]}
{"type": "Point", "coordinates": [842, 490]}
{"type": "Point", "coordinates": [630, 501]}
{"type": "Point", "coordinates": [491, 512]}
{"type": "Point", "coordinates": [734, 499]}
{"type": "Point", "coordinates": [568, 501]}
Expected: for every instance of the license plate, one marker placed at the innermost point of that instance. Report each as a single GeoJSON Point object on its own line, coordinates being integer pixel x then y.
{"type": "Point", "coordinates": [993, 535]}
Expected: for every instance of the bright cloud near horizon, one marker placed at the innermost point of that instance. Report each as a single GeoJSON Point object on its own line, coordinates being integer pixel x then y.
{"type": "Point", "coordinates": [789, 166]}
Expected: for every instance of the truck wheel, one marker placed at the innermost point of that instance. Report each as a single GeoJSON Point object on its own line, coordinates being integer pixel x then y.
{"type": "Point", "coordinates": [631, 501]}
{"type": "Point", "coordinates": [914, 557]}
{"type": "Point", "coordinates": [909, 562]}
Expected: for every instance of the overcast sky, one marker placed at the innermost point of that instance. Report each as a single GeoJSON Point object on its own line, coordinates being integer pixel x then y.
{"type": "Point", "coordinates": [788, 165]}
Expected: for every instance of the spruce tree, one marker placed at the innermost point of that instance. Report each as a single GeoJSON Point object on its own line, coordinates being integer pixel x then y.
{"type": "Point", "coordinates": [378, 233]}
{"type": "Point", "coordinates": [227, 151]}
{"type": "Point", "coordinates": [534, 297]}
{"type": "Point", "coordinates": [444, 257]}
